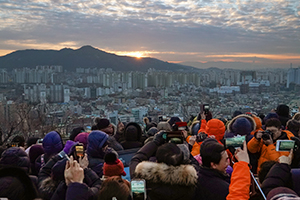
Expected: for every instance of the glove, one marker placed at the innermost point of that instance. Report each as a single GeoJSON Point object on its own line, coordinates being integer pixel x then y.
{"type": "Point", "coordinates": [158, 138]}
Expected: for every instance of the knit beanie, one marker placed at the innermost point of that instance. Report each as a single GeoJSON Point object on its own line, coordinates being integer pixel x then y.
{"type": "Point", "coordinates": [103, 123]}
{"type": "Point", "coordinates": [279, 192]}
{"type": "Point", "coordinates": [242, 126]}
{"type": "Point", "coordinates": [113, 166]}
{"type": "Point", "coordinates": [82, 138]}
{"type": "Point", "coordinates": [68, 146]}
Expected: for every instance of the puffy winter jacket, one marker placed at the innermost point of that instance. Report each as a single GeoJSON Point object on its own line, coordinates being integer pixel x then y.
{"type": "Point", "coordinates": [268, 152]}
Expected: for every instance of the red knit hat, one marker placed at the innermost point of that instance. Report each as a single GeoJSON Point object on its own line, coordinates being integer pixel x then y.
{"type": "Point", "coordinates": [113, 166]}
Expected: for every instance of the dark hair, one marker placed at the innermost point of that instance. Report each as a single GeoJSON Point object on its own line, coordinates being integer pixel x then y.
{"type": "Point", "coordinates": [264, 169]}
{"type": "Point", "coordinates": [273, 122]}
{"type": "Point", "coordinates": [31, 141]}
{"type": "Point", "coordinates": [169, 154]}
{"type": "Point", "coordinates": [20, 140]}
{"type": "Point", "coordinates": [211, 151]}
{"type": "Point", "coordinates": [75, 132]}
{"type": "Point", "coordinates": [116, 187]}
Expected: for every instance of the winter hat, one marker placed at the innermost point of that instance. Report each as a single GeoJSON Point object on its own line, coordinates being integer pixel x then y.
{"type": "Point", "coordinates": [96, 141]}
{"type": "Point", "coordinates": [185, 150]}
{"type": "Point", "coordinates": [173, 120]}
{"type": "Point", "coordinates": [69, 145]}
{"type": "Point", "coordinates": [152, 131]}
{"type": "Point", "coordinates": [164, 126]}
{"type": "Point", "coordinates": [35, 151]}
{"type": "Point", "coordinates": [133, 132]}
{"type": "Point", "coordinates": [75, 132]}
{"type": "Point", "coordinates": [195, 127]}
{"type": "Point", "coordinates": [169, 154]}
{"type": "Point", "coordinates": [52, 143]}
{"type": "Point", "coordinates": [113, 166]}
{"type": "Point", "coordinates": [279, 192]}
{"type": "Point", "coordinates": [215, 127]}
{"type": "Point", "coordinates": [103, 123]}
{"type": "Point", "coordinates": [16, 156]}
{"type": "Point", "coordinates": [236, 113]}
{"type": "Point", "coordinates": [283, 110]}
{"type": "Point", "coordinates": [82, 138]}
{"type": "Point", "coordinates": [240, 125]}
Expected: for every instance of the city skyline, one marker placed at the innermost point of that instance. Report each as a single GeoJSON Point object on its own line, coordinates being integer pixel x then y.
{"type": "Point", "coordinates": [254, 33]}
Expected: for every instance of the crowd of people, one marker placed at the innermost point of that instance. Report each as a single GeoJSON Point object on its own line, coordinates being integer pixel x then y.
{"type": "Point", "coordinates": [175, 160]}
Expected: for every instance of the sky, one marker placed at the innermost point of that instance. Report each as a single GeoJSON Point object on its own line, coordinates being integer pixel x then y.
{"type": "Point", "coordinates": [255, 32]}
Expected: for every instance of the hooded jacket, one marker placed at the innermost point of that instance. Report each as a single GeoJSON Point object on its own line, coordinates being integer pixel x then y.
{"type": "Point", "coordinates": [162, 184]}
{"type": "Point", "coordinates": [132, 136]}
{"type": "Point", "coordinates": [213, 127]}
{"type": "Point", "coordinates": [268, 152]}
{"type": "Point", "coordinates": [96, 141]}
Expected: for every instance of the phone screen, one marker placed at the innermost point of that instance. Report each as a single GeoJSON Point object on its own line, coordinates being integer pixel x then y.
{"type": "Point", "coordinates": [235, 142]}
{"type": "Point", "coordinates": [79, 150]}
{"type": "Point", "coordinates": [285, 145]}
{"type": "Point", "coordinates": [138, 189]}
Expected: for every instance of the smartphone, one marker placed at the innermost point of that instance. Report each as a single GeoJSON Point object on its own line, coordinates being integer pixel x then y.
{"type": "Point", "coordinates": [174, 137]}
{"type": "Point", "coordinates": [285, 145]}
{"type": "Point", "coordinates": [79, 150]}
{"type": "Point", "coordinates": [204, 108]}
{"type": "Point", "coordinates": [235, 142]}
{"type": "Point", "coordinates": [138, 189]}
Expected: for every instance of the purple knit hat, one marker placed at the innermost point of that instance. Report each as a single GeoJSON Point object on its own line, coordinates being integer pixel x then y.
{"type": "Point", "coordinates": [82, 138]}
{"type": "Point", "coordinates": [69, 144]}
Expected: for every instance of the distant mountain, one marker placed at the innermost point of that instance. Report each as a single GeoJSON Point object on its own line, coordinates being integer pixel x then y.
{"type": "Point", "coordinates": [85, 57]}
{"type": "Point", "coordinates": [234, 65]}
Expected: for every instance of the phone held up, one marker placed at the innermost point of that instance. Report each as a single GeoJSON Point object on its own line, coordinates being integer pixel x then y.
{"type": "Point", "coordinates": [285, 145]}
{"type": "Point", "coordinates": [138, 189]}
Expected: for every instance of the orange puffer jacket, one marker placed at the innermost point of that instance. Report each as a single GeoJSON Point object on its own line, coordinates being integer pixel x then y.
{"type": "Point", "coordinates": [239, 187]}
{"type": "Point", "coordinates": [213, 127]}
{"type": "Point", "coordinates": [267, 152]}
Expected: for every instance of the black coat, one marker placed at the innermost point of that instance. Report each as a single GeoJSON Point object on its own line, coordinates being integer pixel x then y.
{"type": "Point", "coordinates": [163, 181]}
{"type": "Point", "coordinates": [279, 176]}
{"type": "Point", "coordinates": [212, 185]}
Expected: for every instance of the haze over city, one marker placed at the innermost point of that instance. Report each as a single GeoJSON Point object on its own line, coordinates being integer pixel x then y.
{"type": "Point", "coordinates": [238, 32]}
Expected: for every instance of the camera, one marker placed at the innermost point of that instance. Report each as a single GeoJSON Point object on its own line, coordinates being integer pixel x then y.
{"type": "Point", "coordinates": [266, 135]}
{"type": "Point", "coordinates": [201, 136]}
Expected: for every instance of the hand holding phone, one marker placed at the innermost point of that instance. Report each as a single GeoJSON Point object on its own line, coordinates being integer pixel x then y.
{"type": "Point", "coordinates": [285, 145]}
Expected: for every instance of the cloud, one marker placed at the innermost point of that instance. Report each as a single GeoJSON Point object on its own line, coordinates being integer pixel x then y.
{"type": "Point", "coordinates": [206, 26]}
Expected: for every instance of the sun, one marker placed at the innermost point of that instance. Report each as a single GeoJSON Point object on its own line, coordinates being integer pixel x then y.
{"type": "Point", "coordinates": [136, 54]}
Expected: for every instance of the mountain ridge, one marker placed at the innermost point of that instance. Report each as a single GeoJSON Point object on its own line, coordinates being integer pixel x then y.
{"type": "Point", "coordinates": [85, 57]}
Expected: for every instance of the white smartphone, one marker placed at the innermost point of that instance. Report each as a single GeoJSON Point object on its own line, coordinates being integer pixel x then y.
{"type": "Point", "coordinates": [138, 189]}
{"type": "Point", "coordinates": [285, 145]}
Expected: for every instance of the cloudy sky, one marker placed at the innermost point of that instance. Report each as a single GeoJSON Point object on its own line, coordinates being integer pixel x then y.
{"type": "Point", "coordinates": [251, 31]}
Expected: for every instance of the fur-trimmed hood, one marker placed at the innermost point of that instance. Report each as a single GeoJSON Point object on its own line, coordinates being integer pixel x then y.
{"type": "Point", "coordinates": [239, 126]}
{"type": "Point", "coordinates": [47, 187]}
{"type": "Point", "coordinates": [161, 173]}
